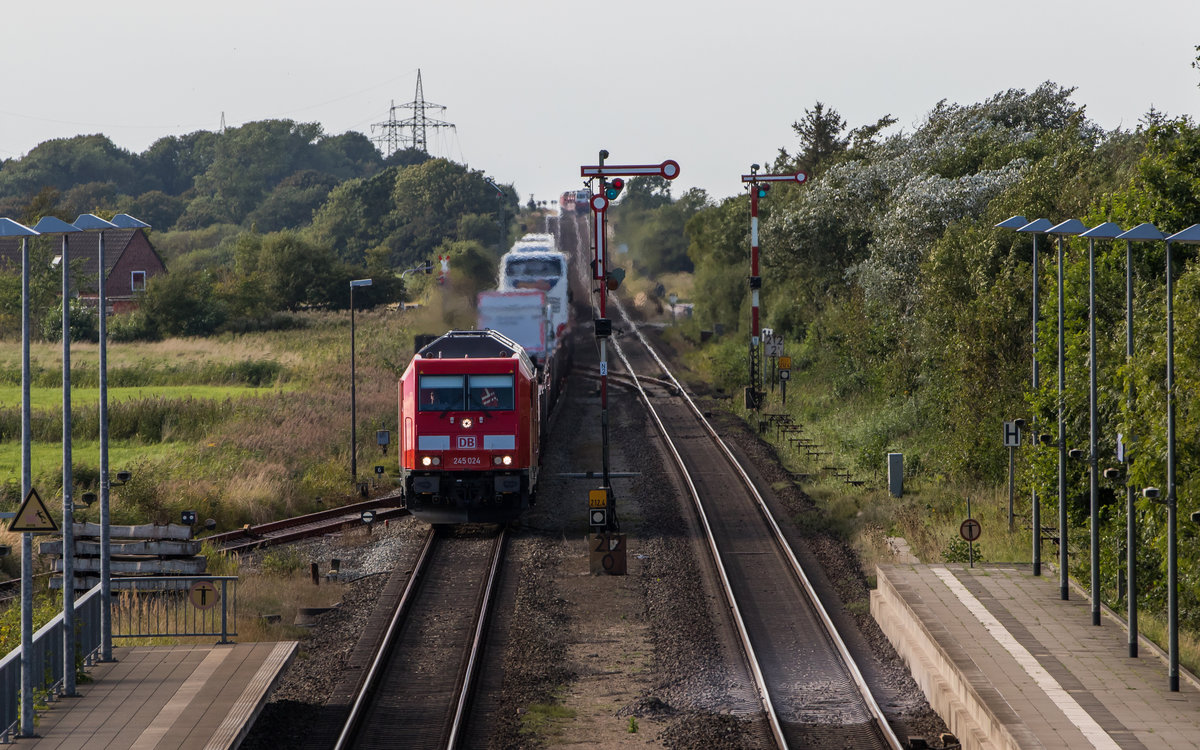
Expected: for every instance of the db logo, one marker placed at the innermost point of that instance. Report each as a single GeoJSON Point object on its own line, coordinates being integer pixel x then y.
{"type": "Point", "coordinates": [466, 442]}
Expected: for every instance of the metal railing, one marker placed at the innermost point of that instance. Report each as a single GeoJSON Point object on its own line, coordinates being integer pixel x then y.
{"type": "Point", "coordinates": [163, 606]}
{"type": "Point", "coordinates": [47, 661]}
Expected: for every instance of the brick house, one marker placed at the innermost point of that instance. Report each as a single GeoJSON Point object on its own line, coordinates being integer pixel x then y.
{"type": "Point", "coordinates": [130, 259]}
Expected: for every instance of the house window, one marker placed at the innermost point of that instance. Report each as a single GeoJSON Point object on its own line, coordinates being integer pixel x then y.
{"type": "Point", "coordinates": [137, 281]}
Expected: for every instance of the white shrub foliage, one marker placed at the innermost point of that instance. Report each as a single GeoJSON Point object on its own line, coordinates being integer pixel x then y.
{"type": "Point", "coordinates": [909, 188]}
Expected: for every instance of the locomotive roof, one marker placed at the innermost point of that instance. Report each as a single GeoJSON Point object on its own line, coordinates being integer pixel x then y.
{"type": "Point", "coordinates": [483, 344]}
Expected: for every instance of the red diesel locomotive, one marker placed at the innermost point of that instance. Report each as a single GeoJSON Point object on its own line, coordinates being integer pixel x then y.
{"type": "Point", "coordinates": [471, 405]}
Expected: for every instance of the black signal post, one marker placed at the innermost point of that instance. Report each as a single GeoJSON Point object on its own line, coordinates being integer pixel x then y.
{"type": "Point", "coordinates": [759, 185]}
{"type": "Point", "coordinates": [611, 183]}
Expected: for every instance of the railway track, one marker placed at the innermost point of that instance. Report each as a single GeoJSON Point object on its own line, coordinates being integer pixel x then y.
{"type": "Point", "coordinates": [813, 693]}
{"type": "Point", "coordinates": [418, 689]}
{"type": "Point", "coordinates": [301, 527]}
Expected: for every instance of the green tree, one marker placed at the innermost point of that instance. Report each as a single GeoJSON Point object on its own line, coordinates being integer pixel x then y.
{"type": "Point", "coordinates": [62, 163]}
{"type": "Point", "coordinates": [820, 133]}
{"type": "Point", "coordinates": [182, 303]}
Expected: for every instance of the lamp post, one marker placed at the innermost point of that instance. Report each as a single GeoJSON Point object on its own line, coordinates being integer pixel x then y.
{"type": "Point", "coordinates": [353, 412]}
{"type": "Point", "coordinates": [1145, 232]}
{"type": "Point", "coordinates": [10, 228]}
{"type": "Point", "coordinates": [51, 225]}
{"type": "Point", "coordinates": [91, 222]}
{"type": "Point", "coordinates": [1066, 228]}
{"type": "Point", "coordinates": [1190, 236]}
{"type": "Point", "coordinates": [1035, 227]}
{"type": "Point", "coordinates": [1107, 231]}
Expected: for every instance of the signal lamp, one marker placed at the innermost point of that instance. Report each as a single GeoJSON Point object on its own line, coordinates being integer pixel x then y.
{"type": "Point", "coordinates": [762, 189]}
{"type": "Point", "coordinates": [614, 188]}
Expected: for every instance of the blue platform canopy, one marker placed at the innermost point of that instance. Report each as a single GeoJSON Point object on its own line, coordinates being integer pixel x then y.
{"type": "Point", "coordinates": [51, 225]}
{"type": "Point", "coordinates": [10, 228]}
{"type": "Point", "coordinates": [1037, 225]}
{"type": "Point", "coordinates": [92, 221]}
{"type": "Point", "coordinates": [1105, 231]}
{"type": "Point", "coordinates": [1145, 231]}
{"type": "Point", "coordinates": [1015, 222]}
{"type": "Point", "coordinates": [1191, 235]}
{"type": "Point", "coordinates": [1070, 226]}
{"type": "Point", "coordinates": [125, 221]}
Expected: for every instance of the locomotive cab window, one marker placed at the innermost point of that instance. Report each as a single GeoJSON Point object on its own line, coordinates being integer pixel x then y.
{"type": "Point", "coordinates": [490, 392]}
{"type": "Point", "coordinates": [441, 393]}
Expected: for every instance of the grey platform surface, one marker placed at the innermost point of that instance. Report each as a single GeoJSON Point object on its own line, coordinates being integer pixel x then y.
{"type": "Point", "coordinates": [202, 697]}
{"type": "Point", "coordinates": [1009, 664]}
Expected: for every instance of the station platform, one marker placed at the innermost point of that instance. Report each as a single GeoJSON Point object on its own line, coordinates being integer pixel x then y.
{"type": "Point", "coordinates": [193, 697]}
{"type": "Point", "coordinates": [1008, 664]}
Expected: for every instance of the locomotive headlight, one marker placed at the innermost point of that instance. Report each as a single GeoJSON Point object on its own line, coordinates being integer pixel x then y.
{"type": "Point", "coordinates": [466, 423]}
{"type": "Point", "coordinates": [507, 460]}
{"type": "Point", "coordinates": [437, 460]}
{"type": "Point", "coordinates": [496, 460]}
{"type": "Point", "coordinates": [426, 460]}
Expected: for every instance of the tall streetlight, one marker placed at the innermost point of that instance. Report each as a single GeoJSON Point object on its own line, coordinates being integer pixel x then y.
{"type": "Point", "coordinates": [1035, 227]}
{"type": "Point", "coordinates": [91, 222]}
{"type": "Point", "coordinates": [1107, 231]}
{"type": "Point", "coordinates": [51, 225]}
{"type": "Point", "coordinates": [10, 228]}
{"type": "Point", "coordinates": [353, 411]}
{"type": "Point", "coordinates": [1190, 236]}
{"type": "Point", "coordinates": [1066, 228]}
{"type": "Point", "coordinates": [1145, 232]}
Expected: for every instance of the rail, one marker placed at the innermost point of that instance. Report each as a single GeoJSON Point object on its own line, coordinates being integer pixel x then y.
{"type": "Point", "coordinates": [876, 712]}
{"type": "Point", "coordinates": [47, 660]}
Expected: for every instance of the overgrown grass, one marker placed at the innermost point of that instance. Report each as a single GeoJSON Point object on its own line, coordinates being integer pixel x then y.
{"type": "Point", "coordinates": [50, 399]}
{"type": "Point", "coordinates": [229, 457]}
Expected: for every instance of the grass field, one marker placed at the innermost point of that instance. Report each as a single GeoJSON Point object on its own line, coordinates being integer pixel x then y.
{"type": "Point", "coordinates": [51, 398]}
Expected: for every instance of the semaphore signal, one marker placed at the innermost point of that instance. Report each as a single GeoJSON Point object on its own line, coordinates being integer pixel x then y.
{"type": "Point", "coordinates": [759, 186]}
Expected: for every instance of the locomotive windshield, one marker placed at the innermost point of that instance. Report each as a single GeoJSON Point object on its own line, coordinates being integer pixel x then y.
{"type": "Point", "coordinates": [469, 393]}
{"type": "Point", "coordinates": [491, 392]}
{"type": "Point", "coordinates": [441, 393]}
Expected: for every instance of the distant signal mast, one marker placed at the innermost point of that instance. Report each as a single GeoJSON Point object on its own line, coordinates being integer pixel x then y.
{"type": "Point", "coordinates": [410, 132]}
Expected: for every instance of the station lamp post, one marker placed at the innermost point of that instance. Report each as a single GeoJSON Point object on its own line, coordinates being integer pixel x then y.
{"type": "Point", "coordinates": [1036, 227]}
{"type": "Point", "coordinates": [1066, 228]}
{"type": "Point", "coordinates": [1145, 232]}
{"type": "Point", "coordinates": [353, 406]}
{"type": "Point", "coordinates": [51, 225]}
{"type": "Point", "coordinates": [10, 228]}
{"type": "Point", "coordinates": [91, 222]}
{"type": "Point", "coordinates": [1190, 236]}
{"type": "Point", "coordinates": [1106, 231]}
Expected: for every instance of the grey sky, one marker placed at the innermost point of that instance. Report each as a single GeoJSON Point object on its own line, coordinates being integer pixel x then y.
{"type": "Point", "coordinates": [536, 89]}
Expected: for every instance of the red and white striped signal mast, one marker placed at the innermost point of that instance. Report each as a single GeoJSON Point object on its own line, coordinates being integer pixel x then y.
{"type": "Point", "coordinates": [611, 184]}
{"type": "Point", "coordinates": [759, 185]}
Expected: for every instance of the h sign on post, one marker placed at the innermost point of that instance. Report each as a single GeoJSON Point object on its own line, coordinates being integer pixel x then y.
{"type": "Point", "coordinates": [1012, 435]}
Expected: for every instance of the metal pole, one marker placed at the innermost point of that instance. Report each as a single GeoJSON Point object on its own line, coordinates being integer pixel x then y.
{"type": "Point", "coordinates": [1012, 452]}
{"type": "Point", "coordinates": [26, 487]}
{"type": "Point", "coordinates": [1036, 503]}
{"type": "Point", "coordinates": [68, 535]}
{"type": "Point", "coordinates": [1093, 466]}
{"type": "Point", "coordinates": [353, 413]}
{"type": "Point", "coordinates": [970, 544]}
{"type": "Point", "coordinates": [755, 285]}
{"type": "Point", "coordinates": [1172, 552]}
{"type": "Point", "coordinates": [1130, 507]}
{"type": "Point", "coordinates": [105, 484]}
{"type": "Point", "coordinates": [1064, 588]}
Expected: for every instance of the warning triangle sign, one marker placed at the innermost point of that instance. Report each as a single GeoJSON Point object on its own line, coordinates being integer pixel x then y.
{"type": "Point", "coordinates": [32, 516]}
